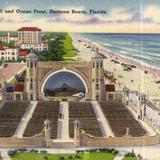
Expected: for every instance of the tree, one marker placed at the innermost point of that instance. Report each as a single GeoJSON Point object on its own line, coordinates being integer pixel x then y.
{"type": "Point", "coordinates": [55, 51]}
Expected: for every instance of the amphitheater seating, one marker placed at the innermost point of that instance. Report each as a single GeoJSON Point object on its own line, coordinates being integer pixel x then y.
{"type": "Point", "coordinates": [44, 110]}
{"type": "Point", "coordinates": [85, 113]}
{"type": "Point", "coordinates": [120, 119]}
{"type": "Point", "coordinates": [10, 115]}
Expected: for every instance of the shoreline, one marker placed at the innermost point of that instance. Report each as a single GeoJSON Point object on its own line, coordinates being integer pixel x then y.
{"type": "Point", "coordinates": [141, 78]}
{"type": "Point", "coordinates": [123, 59]}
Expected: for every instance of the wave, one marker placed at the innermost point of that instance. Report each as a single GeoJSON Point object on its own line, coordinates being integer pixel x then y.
{"type": "Point", "coordinates": [137, 54]}
{"type": "Point", "coordinates": [123, 52]}
{"type": "Point", "coordinates": [128, 49]}
{"type": "Point", "coordinates": [105, 44]}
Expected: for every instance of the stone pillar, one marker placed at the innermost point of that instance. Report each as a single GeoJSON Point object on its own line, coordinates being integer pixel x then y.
{"type": "Point", "coordinates": [98, 85]}
{"type": "Point", "coordinates": [32, 76]}
{"type": "Point", "coordinates": [125, 95]}
{"type": "Point", "coordinates": [48, 129]}
{"type": "Point", "coordinates": [142, 107]}
{"type": "Point", "coordinates": [77, 134]}
{"type": "Point", "coordinates": [48, 132]}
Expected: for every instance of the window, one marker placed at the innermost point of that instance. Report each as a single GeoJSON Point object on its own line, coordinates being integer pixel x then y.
{"type": "Point", "coordinates": [97, 79]}
{"type": "Point", "coordinates": [31, 64]}
{"type": "Point", "coordinates": [35, 64]}
{"type": "Point", "coordinates": [97, 65]}
{"type": "Point", "coordinates": [27, 64]}
{"type": "Point", "coordinates": [31, 97]}
{"type": "Point", "coordinates": [101, 65]}
{"type": "Point", "coordinates": [31, 86]}
{"type": "Point", "coordinates": [97, 97]}
{"type": "Point", "coordinates": [97, 86]}
{"type": "Point", "coordinates": [93, 65]}
{"type": "Point", "coordinates": [110, 97]}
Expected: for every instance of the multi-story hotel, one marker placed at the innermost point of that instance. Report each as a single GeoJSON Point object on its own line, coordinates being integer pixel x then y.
{"type": "Point", "coordinates": [8, 54]}
{"type": "Point", "coordinates": [30, 37]}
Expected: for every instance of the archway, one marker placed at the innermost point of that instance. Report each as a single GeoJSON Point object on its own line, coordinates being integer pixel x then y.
{"type": "Point", "coordinates": [63, 84]}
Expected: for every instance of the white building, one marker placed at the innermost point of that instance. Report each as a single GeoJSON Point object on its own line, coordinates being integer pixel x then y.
{"type": "Point", "coordinates": [9, 54]}
{"type": "Point", "coordinates": [37, 47]}
{"type": "Point", "coordinates": [30, 37]}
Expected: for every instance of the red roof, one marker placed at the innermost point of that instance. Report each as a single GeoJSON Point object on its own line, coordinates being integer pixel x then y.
{"type": "Point", "coordinates": [29, 29]}
{"type": "Point", "coordinates": [110, 88]}
{"type": "Point", "coordinates": [19, 88]}
{"type": "Point", "coordinates": [23, 53]}
{"type": "Point", "coordinates": [2, 48]}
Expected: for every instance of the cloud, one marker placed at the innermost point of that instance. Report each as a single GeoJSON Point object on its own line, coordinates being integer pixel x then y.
{"type": "Point", "coordinates": [151, 14]}
{"type": "Point", "coordinates": [117, 20]}
{"type": "Point", "coordinates": [117, 15]}
{"type": "Point", "coordinates": [120, 14]}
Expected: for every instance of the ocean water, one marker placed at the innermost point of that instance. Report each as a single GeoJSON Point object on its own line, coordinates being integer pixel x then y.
{"type": "Point", "coordinates": [142, 48]}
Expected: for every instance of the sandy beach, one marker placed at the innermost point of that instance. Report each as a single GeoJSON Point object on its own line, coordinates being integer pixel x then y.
{"type": "Point", "coordinates": [141, 78]}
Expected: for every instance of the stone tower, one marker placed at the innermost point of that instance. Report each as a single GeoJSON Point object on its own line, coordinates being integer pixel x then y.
{"type": "Point", "coordinates": [32, 76]}
{"type": "Point", "coordinates": [77, 135]}
{"type": "Point", "coordinates": [98, 85]}
{"type": "Point", "coordinates": [125, 95]}
{"type": "Point", "coordinates": [47, 129]}
{"type": "Point", "coordinates": [142, 106]}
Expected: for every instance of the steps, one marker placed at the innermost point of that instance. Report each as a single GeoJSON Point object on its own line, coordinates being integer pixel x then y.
{"type": "Point", "coordinates": [24, 121]}
{"type": "Point", "coordinates": [104, 125]}
{"type": "Point", "coordinates": [63, 122]}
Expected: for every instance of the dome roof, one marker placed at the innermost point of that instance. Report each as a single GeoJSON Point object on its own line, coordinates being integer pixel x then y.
{"type": "Point", "coordinates": [31, 54]}
{"type": "Point", "coordinates": [77, 121]}
{"type": "Point", "coordinates": [97, 55]}
{"type": "Point", "coordinates": [47, 121]}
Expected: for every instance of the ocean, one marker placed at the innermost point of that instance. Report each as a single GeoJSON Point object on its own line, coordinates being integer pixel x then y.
{"type": "Point", "coordinates": [142, 48]}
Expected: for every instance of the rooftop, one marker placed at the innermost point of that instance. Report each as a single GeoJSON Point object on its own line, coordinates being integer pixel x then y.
{"type": "Point", "coordinates": [23, 53]}
{"type": "Point", "coordinates": [29, 29]}
{"type": "Point", "coordinates": [31, 55]}
{"type": "Point", "coordinates": [110, 87]}
{"type": "Point", "coordinates": [97, 55]}
{"type": "Point", "coordinates": [19, 88]}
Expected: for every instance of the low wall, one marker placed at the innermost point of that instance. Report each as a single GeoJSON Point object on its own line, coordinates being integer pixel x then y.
{"type": "Point", "coordinates": [88, 140]}
{"type": "Point", "coordinates": [21, 142]}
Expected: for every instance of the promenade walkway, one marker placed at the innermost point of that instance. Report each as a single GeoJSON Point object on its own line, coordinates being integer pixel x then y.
{"type": "Point", "coordinates": [63, 122]}
{"type": "Point", "coordinates": [24, 121]}
{"type": "Point", "coordinates": [104, 125]}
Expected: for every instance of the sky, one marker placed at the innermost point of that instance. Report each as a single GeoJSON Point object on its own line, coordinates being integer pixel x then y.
{"type": "Point", "coordinates": [122, 16]}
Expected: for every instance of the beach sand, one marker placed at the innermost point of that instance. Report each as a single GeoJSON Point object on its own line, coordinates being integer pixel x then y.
{"type": "Point", "coordinates": [135, 79]}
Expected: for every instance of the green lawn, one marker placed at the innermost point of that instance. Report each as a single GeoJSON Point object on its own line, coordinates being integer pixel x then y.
{"type": "Point", "coordinates": [130, 158]}
{"type": "Point", "coordinates": [85, 156]}
{"type": "Point", "coordinates": [68, 47]}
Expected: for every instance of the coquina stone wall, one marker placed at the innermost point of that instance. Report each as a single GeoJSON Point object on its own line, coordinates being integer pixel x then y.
{"type": "Point", "coordinates": [88, 140]}
{"type": "Point", "coordinates": [22, 142]}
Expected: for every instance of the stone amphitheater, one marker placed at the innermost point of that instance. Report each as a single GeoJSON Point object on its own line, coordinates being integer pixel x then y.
{"type": "Point", "coordinates": [70, 124]}
{"type": "Point", "coordinates": [100, 120]}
